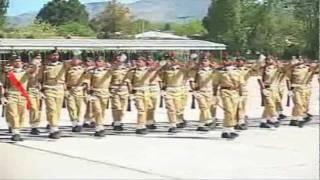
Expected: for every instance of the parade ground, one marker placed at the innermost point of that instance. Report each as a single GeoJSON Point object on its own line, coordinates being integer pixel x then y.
{"type": "Point", "coordinates": [287, 152]}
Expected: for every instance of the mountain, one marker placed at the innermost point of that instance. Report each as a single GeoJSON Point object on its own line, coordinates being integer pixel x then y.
{"type": "Point", "coordinates": [152, 10]}
{"type": "Point", "coordinates": [22, 19]}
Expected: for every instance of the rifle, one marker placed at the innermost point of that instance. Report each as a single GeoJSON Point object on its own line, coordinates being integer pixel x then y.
{"type": "Point", "coordinates": [261, 91]}
{"type": "Point", "coordinates": [108, 103]}
{"type": "Point", "coordinates": [193, 102]}
{"type": "Point", "coordinates": [161, 101]}
{"type": "Point", "coordinates": [289, 89]}
{"type": "Point", "coordinates": [129, 104]}
{"type": "Point", "coordinates": [64, 104]}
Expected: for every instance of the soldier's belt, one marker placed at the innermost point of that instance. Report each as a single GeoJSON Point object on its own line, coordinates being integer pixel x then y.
{"type": "Point", "coordinates": [174, 88]}
{"type": "Point", "coordinates": [154, 88]}
{"type": "Point", "coordinates": [271, 86]}
{"type": "Point", "coordinates": [53, 87]}
{"type": "Point", "coordinates": [141, 88]}
{"type": "Point", "coordinates": [99, 89]}
{"type": "Point", "coordinates": [300, 85]}
{"type": "Point", "coordinates": [230, 88]}
{"type": "Point", "coordinates": [119, 87]}
{"type": "Point", "coordinates": [205, 89]}
{"type": "Point", "coordinates": [76, 87]}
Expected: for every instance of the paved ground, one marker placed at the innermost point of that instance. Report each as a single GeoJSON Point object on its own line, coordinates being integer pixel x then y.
{"type": "Point", "coordinates": [287, 152]}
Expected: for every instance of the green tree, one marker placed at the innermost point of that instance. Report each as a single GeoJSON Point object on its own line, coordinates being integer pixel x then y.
{"type": "Point", "coordinates": [223, 23]}
{"type": "Point", "coordinates": [192, 28]}
{"type": "Point", "coordinates": [167, 27]}
{"type": "Point", "coordinates": [3, 10]}
{"type": "Point", "coordinates": [59, 12]}
{"type": "Point", "coordinates": [75, 29]}
{"type": "Point", "coordinates": [307, 12]}
{"type": "Point", "coordinates": [271, 27]}
{"type": "Point", "coordinates": [35, 30]}
{"type": "Point", "coordinates": [115, 19]}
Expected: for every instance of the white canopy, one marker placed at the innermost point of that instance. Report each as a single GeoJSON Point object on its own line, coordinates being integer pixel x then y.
{"type": "Point", "coordinates": [158, 35]}
{"type": "Point", "coordinates": [107, 44]}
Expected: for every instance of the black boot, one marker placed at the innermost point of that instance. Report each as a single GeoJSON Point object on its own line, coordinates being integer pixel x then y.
{"type": "Point", "coordinates": [55, 135]}
{"type": "Point", "coordinates": [282, 116]}
{"type": "Point", "coordinates": [141, 131]}
{"type": "Point", "coordinates": [211, 125]}
{"type": "Point", "coordinates": [16, 137]}
{"type": "Point", "coordinates": [265, 125]}
{"type": "Point", "coordinates": [234, 135]}
{"type": "Point", "coordinates": [307, 119]}
{"type": "Point", "coordinates": [48, 126]}
{"type": "Point", "coordinates": [309, 115]}
{"type": "Point", "coordinates": [151, 126]}
{"type": "Point", "coordinates": [203, 129]}
{"type": "Point", "coordinates": [9, 130]}
{"type": "Point", "coordinates": [294, 123]}
{"type": "Point", "coordinates": [226, 135]}
{"type": "Point", "coordinates": [301, 124]}
{"type": "Point", "coordinates": [101, 133]}
{"type": "Point", "coordinates": [92, 125]}
{"type": "Point", "coordinates": [35, 131]}
{"type": "Point", "coordinates": [77, 129]}
{"type": "Point", "coordinates": [241, 127]}
{"type": "Point", "coordinates": [181, 125]}
{"type": "Point", "coordinates": [173, 130]}
{"type": "Point", "coordinates": [86, 125]}
{"type": "Point", "coordinates": [276, 124]}
{"type": "Point", "coordinates": [118, 128]}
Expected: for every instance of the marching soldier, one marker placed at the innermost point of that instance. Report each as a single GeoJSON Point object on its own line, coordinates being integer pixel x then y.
{"type": "Point", "coordinates": [99, 93]}
{"type": "Point", "coordinates": [271, 73]}
{"type": "Point", "coordinates": [5, 69]}
{"type": "Point", "coordinates": [246, 71]}
{"type": "Point", "coordinates": [230, 81]}
{"type": "Point", "coordinates": [16, 98]}
{"type": "Point", "coordinates": [88, 117]}
{"type": "Point", "coordinates": [53, 88]}
{"type": "Point", "coordinates": [215, 99]}
{"type": "Point", "coordinates": [119, 92]}
{"type": "Point", "coordinates": [185, 93]}
{"type": "Point", "coordinates": [77, 85]}
{"type": "Point", "coordinates": [281, 90]}
{"type": "Point", "coordinates": [155, 85]}
{"type": "Point", "coordinates": [299, 75]}
{"type": "Point", "coordinates": [309, 92]}
{"type": "Point", "coordinates": [201, 84]}
{"type": "Point", "coordinates": [173, 75]}
{"type": "Point", "coordinates": [34, 87]}
{"type": "Point", "coordinates": [139, 80]}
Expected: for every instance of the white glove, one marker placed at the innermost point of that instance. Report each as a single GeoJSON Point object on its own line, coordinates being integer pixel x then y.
{"type": "Point", "coordinates": [42, 96]}
{"type": "Point", "coordinates": [196, 94]}
{"type": "Point", "coordinates": [66, 94]}
{"type": "Point", "coordinates": [91, 98]}
{"type": "Point", "coordinates": [265, 92]}
{"type": "Point", "coordinates": [4, 100]}
{"type": "Point", "coordinates": [290, 93]}
{"type": "Point", "coordinates": [131, 97]}
{"type": "Point", "coordinates": [163, 93]}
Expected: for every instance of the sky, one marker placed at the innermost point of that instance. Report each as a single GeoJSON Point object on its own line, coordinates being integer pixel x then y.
{"type": "Point", "coordinates": [17, 7]}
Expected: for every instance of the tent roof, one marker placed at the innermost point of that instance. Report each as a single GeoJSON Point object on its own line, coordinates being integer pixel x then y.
{"type": "Point", "coordinates": [107, 44]}
{"type": "Point", "coordinates": [158, 35]}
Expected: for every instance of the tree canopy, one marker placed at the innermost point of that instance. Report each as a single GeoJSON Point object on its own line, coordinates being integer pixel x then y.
{"type": "Point", "coordinates": [282, 27]}
{"type": "Point", "coordinates": [3, 9]}
{"type": "Point", "coordinates": [115, 19]}
{"type": "Point", "coordinates": [59, 12]}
